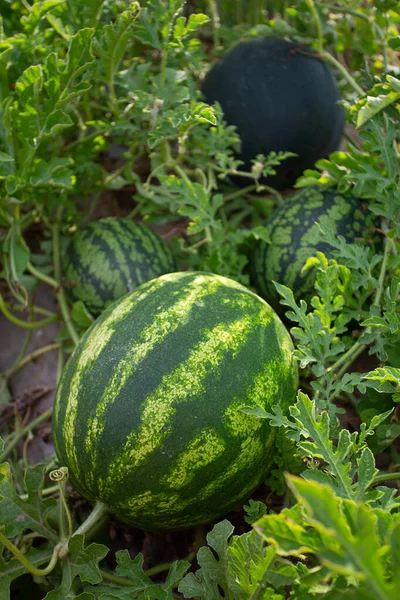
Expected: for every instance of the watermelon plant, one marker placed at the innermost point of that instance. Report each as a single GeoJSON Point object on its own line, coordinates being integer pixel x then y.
{"type": "Point", "coordinates": [111, 257]}
{"type": "Point", "coordinates": [296, 233]}
{"type": "Point", "coordinates": [103, 116]}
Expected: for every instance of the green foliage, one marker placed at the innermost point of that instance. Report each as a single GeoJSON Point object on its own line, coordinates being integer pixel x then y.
{"type": "Point", "coordinates": [245, 568]}
{"type": "Point", "coordinates": [81, 562]}
{"type": "Point", "coordinates": [349, 539]}
{"type": "Point", "coordinates": [17, 515]}
{"type": "Point", "coordinates": [12, 569]}
{"type": "Point", "coordinates": [342, 454]}
{"type": "Point", "coordinates": [100, 110]}
{"type": "Point", "coordinates": [254, 511]}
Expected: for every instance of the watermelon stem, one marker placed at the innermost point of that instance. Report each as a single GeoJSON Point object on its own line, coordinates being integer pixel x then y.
{"type": "Point", "coordinates": [167, 565]}
{"type": "Point", "coordinates": [28, 358]}
{"type": "Point", "coordinates": [67, 318]}
{"type": "Point", "coordinates": [381, 477]}
{"type": "Point", "coordinates": [328, 57]}
{"type": "Point", "coordinates": [41, 276]}
{"type": "Point", "coordinates": [49, 491]}
{"type": "Point", "coordinates": [25, 324]}
{"type": "Point", "coordinates": [99, 510]}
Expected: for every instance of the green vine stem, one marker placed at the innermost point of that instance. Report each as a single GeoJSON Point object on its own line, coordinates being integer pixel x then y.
{"type": "Point", "coordinates": [49, 491]}
{"type": "Point", "coordinates": [165, 566]}
{"type": "Point", "coordinates": [21, 353]}
{"type": "Point", "coordinates": [61, 475]}
{"type": "Point", "coordinates": [28, 358]}
{"type": "Point", "coordinates": [28, 439]}
{"type": "Point", "coordinates": [98, 511]}
{"type": "Point", "coordinates": [26, 562]}
{"type": "Point", "coordinates": [381, 280]}
{"type": "Point", "coordinates": [216, 24]}
{"type": "Point", "coordinates": [317, 20]}
{"type": "Point", "coordinates": [42, 311]}
{"type": "Point", "coordinates": [346, 11]}
{"type": "Point", "coordinates": [239, 193]}
{"type": "Point", "coordinates": [23, 432]}
{"type": "Point", "coordinates": [385, 477]}
{"type": "Point", "coordinates": [41, 276]}
{"type": "Point", "coordinates": [123, 581]}
{"type": "Point", "coordinates": [66, 316]}
{"type": "Point", "coordinates": [24, 324]}
{"type": "Point", "coordinates": [60, 361]}
{"type": "Point", "coordinates": [350, 80]}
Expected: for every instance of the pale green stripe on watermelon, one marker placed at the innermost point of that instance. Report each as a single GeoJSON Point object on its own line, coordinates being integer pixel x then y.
{"type": "Point", "coordinates": [200, 452]}
{"type": "Point", "coordinates": [100, 335]}
{"type": "Point", "coordinates": [251, 446]}
{"type": "Point", "coordinates": [235, 423]}
{"type": "Point", "coordinates": [184, 384]}
{"type": "Point", "coordinates": [163, 325]}
{"type": "Point", "coordinates": [166, 502]}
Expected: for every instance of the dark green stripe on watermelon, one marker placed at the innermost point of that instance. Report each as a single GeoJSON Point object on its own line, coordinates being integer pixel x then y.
{"type": "Point", "coordinates": [295, 237]}
{"type": "Point", "coordinates": [147, 413]}
{"type": "Point", "coordinates": [111, 257]}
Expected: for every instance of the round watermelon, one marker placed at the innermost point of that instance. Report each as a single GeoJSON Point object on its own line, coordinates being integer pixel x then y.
{"type": "Point", "coordinates": [282, 97]}
{"type": "Point", "coordinates": [295, 236]}
{"type": "Point", "coordinates": [110, 257]}
{"type": "Point", "coordinates": [148, 417]}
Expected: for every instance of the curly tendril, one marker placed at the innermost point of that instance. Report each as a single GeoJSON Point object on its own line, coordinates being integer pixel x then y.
{"type": "Point", "coordinates": [60, 474]}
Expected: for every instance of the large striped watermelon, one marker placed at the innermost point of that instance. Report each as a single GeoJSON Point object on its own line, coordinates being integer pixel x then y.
{"type": "Point", "coordinates": [147, 414]}
{"type": "Point", "coordinates": [295, 236]}
{"type": "Point", "coordinates": [110, 257]}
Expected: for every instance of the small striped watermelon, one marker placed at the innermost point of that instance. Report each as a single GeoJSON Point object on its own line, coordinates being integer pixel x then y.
{"type": "Point", "coordinates": [110, 257]}
{"type": "Point", "coordinates": [295, 237]}
{"type": "Point", "coordinates": [147, 414]}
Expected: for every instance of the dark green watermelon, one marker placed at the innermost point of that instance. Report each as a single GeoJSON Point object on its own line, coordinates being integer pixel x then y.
{"type": "Point", "coordinates": [281, 96]}
{"type": "Point", "coordinates": [295, 236]}
{"type": "Point", "coordinates": [110, 257]}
